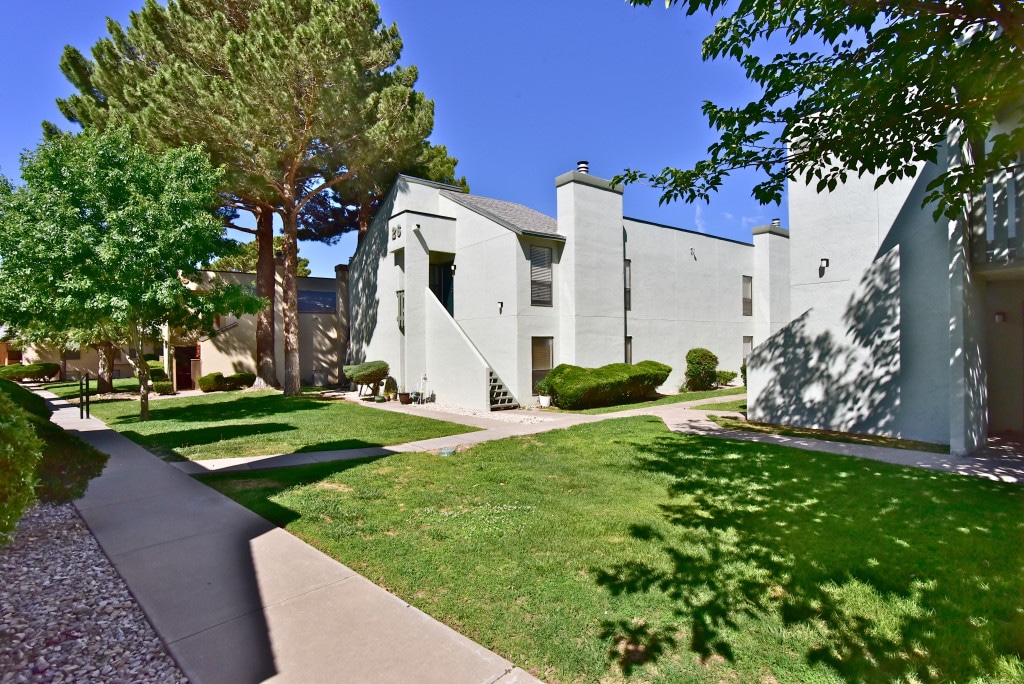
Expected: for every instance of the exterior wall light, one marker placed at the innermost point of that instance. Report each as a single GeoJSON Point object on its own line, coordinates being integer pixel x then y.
{"type": "Point", "coordinates": [824, 263]}
{"type": "Point", "coordinates": [1000, 317]}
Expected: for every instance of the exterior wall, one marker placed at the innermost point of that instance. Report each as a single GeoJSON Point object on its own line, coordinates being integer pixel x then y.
{"type": "Point", "coordinates": [456, 371]}
{"type": "Point", "coordinates": [88, 361]}
{"type": "Point", "coordinates": [1005, 353]}
{"type": "Point", "coordinates": [687, 291]}
{"type": "Point", "coordinates": [869, 349]}
{"type": "Point", "coordinates": [321, 349]}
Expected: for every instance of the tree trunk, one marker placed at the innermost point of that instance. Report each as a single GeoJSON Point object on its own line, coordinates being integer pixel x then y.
{"type": "Point", "coordinates": [290, 307]}
{"type": "Point", "coordinates": [141, 369]}
{"type": "Point", "coordinates": [365, 217]}
{"type": "Point", "coordinates": [105, 369]}
{"type": "Point", "coordinates": [266, 365]}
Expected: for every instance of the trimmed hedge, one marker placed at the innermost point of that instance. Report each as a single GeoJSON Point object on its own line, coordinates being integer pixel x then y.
{"type": "Point", "coordinates": [156, 371]}
{"type": "Point", "coordinates": [371, 373]}
{"type": "Point", "coordinates": [163, 387]}
{"type": "Point", "coordinates": [701, 365]}
{"type": "Point", "coordinates": [20, 451]}
{"type": "Point", "coordinates": [743, 372]}
{"type": "Point", "coordinates": [573, 387]}
{"type": "Point", "coordinates": [30, 371]}
{"type": "Point", "coordinates": [67, 463]}
{"type": "Point", "coordinates": [218, 382]}
{"type": "Point", "coordinates": [723, 378]}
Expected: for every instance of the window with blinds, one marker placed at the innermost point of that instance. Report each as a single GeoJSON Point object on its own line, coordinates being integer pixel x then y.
{"type": "Point", "coordinates": [540, 276]}
{"type": "Point", "coordinates": [401, 310]}
{"type": "Point", "coordinates": [748, 296]}
{"type": "Point", "coordinates": [543, 358]}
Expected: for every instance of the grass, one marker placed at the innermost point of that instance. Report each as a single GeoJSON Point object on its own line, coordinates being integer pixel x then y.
{"type": "Point", "coordinates": [661, 401]}
{"type": "Point", "coordinates": [256, 423]}
{"type": "Point", "coordinates": [828, 435]}
{"type": "Point", "coordinates": [660, 557]}
{"type": "Point", "coordinates": [738, 405]}
{"type": "Point", "coordinates": [69, 390]}
{"type": "Point", "coordinates": [67, 463]}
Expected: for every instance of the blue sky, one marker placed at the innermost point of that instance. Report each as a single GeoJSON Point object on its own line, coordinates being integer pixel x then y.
{"type": "Point", "coordinates": [523, 90]}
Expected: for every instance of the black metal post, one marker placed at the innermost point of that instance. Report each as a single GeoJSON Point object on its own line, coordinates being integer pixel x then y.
{"type": "Point", "coordinates": [81, 399]}
{"type": "Point", "coordinates": [87, 395]}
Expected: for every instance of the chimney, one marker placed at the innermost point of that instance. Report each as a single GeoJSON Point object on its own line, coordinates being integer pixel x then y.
{"type": "Point", "coordinates": [583, 166]}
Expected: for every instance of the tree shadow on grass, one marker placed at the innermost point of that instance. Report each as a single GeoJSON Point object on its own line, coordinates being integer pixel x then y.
{"type": "Point", "coordinates": [237, 408]}
{"type": "Point", "coordinates": [897, 573]}
{"type": "Point", "coordinates": [167, 444]}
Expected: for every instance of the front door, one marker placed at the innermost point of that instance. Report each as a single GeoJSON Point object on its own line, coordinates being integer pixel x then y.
{"type": "Point", "coordinates": [442, 284]}
{"type": "Point", "coordinates": [183, 366]}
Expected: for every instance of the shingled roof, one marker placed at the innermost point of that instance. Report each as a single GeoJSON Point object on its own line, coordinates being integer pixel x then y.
{"type": "Point", "coordinates": [516, 217]}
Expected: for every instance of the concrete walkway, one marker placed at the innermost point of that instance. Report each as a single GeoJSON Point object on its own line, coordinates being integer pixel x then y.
{"type": "Point", "coordinates": [995, 465]}
{"type": "Point", "coordinates": [236, 599]}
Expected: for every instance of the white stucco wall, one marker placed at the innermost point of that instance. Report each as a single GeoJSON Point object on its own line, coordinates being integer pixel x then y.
{"type": "Point", "coordinates": [869, 347]}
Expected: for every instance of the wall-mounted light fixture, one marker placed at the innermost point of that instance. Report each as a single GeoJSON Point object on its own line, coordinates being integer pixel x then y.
{"type": "Point", "coordinates": [501, 305]}
{"type": "Point", "coordinates": [693, 253]}
{"type": "Point", "coordinates": [1000, 317]}
{"type": "Point", "coordinates": [453, 269]}
{"type": "Point", "coordinates": [824, 263]}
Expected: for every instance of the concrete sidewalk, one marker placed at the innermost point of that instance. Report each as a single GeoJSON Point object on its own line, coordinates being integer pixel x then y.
{"type": "Point", "coordinates": [236, 599]}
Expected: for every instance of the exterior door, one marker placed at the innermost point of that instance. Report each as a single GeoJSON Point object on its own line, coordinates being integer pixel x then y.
{"type": "Point", "coordinates": [183, 366]}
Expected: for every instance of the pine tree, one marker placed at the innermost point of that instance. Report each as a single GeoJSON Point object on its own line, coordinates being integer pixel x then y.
{"type": "Point", "coordinates": [294, 98]}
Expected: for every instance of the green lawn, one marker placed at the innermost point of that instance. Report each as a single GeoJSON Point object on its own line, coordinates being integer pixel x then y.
{"type": "Point", "coordinates": [828, 435]}
{"type": "Point", "coordinates": [738, 405]}
{"type": "Point", "coordinates": [69, 390]}
{"type": "Point", "coordinates": [621, 551]}
{"type": "Point", "coordinates": [256, 423]}
{"type": "Point", "coordinates": [661, 401]}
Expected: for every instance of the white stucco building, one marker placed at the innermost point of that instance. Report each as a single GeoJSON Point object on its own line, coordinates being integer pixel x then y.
{"type": "Point", "coordinates": [903, 325]}
{"type": "Point", "coordinates": [485, 296]}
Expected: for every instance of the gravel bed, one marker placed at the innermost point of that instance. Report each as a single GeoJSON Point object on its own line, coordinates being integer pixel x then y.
{"type": "Point", "coordinates": [67, 614]}
{"type": "Point", "coordinates": [500, 416]}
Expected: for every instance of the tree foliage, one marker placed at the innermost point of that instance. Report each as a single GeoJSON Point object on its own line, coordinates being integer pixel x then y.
{"type": "Point", "coordinates": [884, 87]}
{"type": "Point", "coordinates": [294, 98]}
{"type": "Point", "coordinates": [245, 260]}
{"type": "Point", "coordinates": [104, 240]}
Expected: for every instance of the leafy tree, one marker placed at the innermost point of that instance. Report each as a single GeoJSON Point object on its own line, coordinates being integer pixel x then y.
{"type": "Point", "coordinates": [245, 260]}
{"type": "Point", "coordinates": [294, 98]}
{"type": "Point", "coordinates": [104, 240]}
{"type": "Point", "coordinates": [886, 85]}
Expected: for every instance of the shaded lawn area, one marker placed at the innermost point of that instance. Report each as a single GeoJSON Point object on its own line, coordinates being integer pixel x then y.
{"type": "Point", "coordinates": [830, 435]}
{"type": "Point", "coordinates": [256, 423]}
{"type": "Point", "coordinates": [621, 551]}
{"type": "Point", "coordinates": [738, 405]}
{"type": "Point", "coordinates": [661, 401]}
{"type": "Point", "coordinates": [69, 390]}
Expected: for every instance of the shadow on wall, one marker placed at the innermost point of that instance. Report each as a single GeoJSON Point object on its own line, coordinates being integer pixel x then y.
{"type": "Point", "coordinates": [239, 344]}
{"type": "Point", "coordinates": [362, 284]}
{"type": "Point", "coordinates": [824, 380]}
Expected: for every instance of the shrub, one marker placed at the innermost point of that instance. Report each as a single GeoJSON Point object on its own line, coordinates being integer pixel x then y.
{"type": "Point", "coordinates": [20, 451]}
{"type": "Point", "coordinates": [30, 371]}
{"type": "Point", "coordinates": [371, 373]}
{"type": "Point", "coordinates": [700, 370]}
{"type": "Point", "coordinates": [163, 387]}
{"type": "Point", "coordinates": [572, 387]}
{"type": "Point", "coordinates": [151, 358]}
{"type": "Point", "coordinates": [240, 380]}
{"type": "Point", "coordinates": [723, 378]}
{"type": "Point", "coordinates": [213, 382]}
{"type": "Point", "coordinates": [27, 400]}
{"type": "Point", "coordinates": [157, 375]}
{"type": "Point", "coordinates": [67, 463]}
{"type": "Point", "coordinates": [743, 372]}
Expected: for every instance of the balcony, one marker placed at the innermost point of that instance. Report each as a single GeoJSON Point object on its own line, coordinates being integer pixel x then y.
{"type": "Point", "coordinates": [997, 236]}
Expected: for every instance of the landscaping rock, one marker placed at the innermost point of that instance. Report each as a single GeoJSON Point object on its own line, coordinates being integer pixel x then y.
{"type": "Point", "coordinates": [67, 614]}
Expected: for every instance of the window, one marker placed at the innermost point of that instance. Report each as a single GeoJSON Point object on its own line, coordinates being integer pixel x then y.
{"type": "Point", "coordinates": [72, 355]}
{"type": "Point", "coordinates": [540, 276]}
{"type": "Point", "coordinates": [748, 346]}
{"type": "Point", "coordinates": [748, 296]}
{"type": "Point", "coordinates": [543, 357]}
{"type": "Point", "coordinates": [628, 279]}
{"type": "Point", "coordinates": [401, 310]}
{"type": "Point", "coordinates": [13, 355]}
{"type": "Point", "coordinates": [318, 301]}
{"type": "Point", "coordinates": [629, 349]}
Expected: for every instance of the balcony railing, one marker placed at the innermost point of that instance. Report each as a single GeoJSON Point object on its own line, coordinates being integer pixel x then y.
{"type": "Point", "coordinates": [997, 231]}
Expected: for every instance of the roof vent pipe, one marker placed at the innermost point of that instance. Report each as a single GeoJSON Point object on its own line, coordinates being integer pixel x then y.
{"type": "Point", "coordinates": [777, 222]}
{"type": "Point", "coordinates": [583, 166]}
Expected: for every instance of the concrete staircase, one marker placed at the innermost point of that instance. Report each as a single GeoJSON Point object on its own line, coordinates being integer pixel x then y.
{"type": "Point", "coordinates": [501, 398]}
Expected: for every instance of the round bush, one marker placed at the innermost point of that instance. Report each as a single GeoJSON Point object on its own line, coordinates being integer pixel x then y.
{"type": "Point", "coordinates": [701, 365]}
{"type": "Point", "coordinates": [213, 382]}
{"type": "Point", "coordinates": [573, 387]}
{"type": "Point", "coordinates": [20, 451]}
{"type": "Point", "coordinates": [163, 387]}
{"type": "Point", "coordinates": [240, 380]}
{"type": "Point", "coordinates": [371, 373]}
